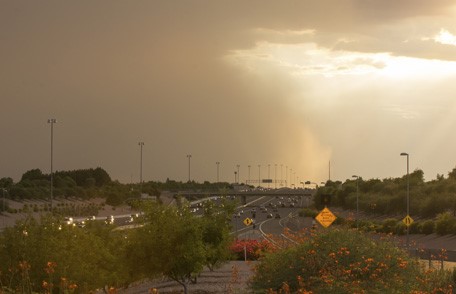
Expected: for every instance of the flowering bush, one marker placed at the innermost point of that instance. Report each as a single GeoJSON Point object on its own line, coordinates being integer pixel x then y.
{"type": "Point", "coordinates": [346, 261]}
{"type": "Point", "coordinates": [253, 248]}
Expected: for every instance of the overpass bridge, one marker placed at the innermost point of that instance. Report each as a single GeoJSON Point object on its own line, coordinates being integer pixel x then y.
{"type": "Point", "coordinates": [282, 192]}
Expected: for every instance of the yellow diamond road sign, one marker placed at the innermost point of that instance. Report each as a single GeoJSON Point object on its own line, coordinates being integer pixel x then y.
{"type": "Point", "coordinates": [248, 221]}
{"type": "Point", "coordinates": [407, 220]}
{"type": "Point", "coordinates": [325, 217]}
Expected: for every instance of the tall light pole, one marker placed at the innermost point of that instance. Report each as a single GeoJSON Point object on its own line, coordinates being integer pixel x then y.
{"type": "Point", "coordinates": [275, 175]}
{"type": "Point", "coordinates": [52, 121]}
{"type": "Point", "coordinates": [218, 165]}
{"type": "Point", "coordinates": [281, 175]}
{"type": "Point", "coordinates": [3, 211]}
{"type": "Point", "coordinates": [269, 173]}
{"type": "Point", "coordinates": [238, 174]}
{"type": "Point", "coordinates": [357, 200]}
{"type": "Point", "coordinates": [291, 177]}
{"type": "Point", "coordinates": [249, 173]}
{"type": "Point", "coordinates": [408, 195]}
{"type": "Point", "coordinates": [286, 175]}
{"type": "Point", "coordinates": [189, 156]}
{"type": "Point", "coordinates": [141, 144]}
{"type": "Point", "coordinates": [259, 175]}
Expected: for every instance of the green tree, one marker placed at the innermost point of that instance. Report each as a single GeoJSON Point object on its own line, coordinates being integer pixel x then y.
{"type": "Point", "coordinates": [445, 224]}
{"type": "Point", "coordinates": [452, 174]}
{"type": "Point", "coordinates": [6, 182]}
{"type": "Point", "coordinates": [170, 244]}
{"type": "Point", "coordinates": [216, 232]}
{"type": "Point", "coordinates": [76, 254]}
{"type": "Point", "coordinates": [33, 174]}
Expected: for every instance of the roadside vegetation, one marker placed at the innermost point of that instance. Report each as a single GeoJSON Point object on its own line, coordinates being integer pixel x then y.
{"type": "Point", "coordinates": [49, 256]}
{"type": "Point", "coordinates": [345, 261]}
{"type": "Point", "coordinates": [86, 184]}
{"type": "Point", "coordinates": [389, 196]}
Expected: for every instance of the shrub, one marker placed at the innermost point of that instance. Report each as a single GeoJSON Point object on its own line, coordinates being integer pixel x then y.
{"type": "Point", "coordinates": [253, 248]}
{"type": "Point", "coordinates": [388, 225]}
{"type": "Point", "coordinates": [346, 261]}
{"type": "Point", "coordinates": [415, 228]}
{"type": "Point", "coordinates": [428, 227]}
{"type": "Point", "coordinates": [307, 212]}
{"type": "Point", "coordinates": [445, 224]}
{"type": "Point", "coordinates": [400, 228]}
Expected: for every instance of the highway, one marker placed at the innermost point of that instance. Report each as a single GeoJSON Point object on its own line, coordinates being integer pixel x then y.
{"type": "Point", "coordinates": [269, 216]}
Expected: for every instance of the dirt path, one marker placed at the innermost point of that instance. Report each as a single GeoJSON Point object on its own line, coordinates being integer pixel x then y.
{"type": "Point", "coordinates": [232, 277]}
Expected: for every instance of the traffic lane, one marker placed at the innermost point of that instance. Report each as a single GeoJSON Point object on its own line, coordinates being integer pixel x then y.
{"type": "Point", "coordinates": [258, 217]}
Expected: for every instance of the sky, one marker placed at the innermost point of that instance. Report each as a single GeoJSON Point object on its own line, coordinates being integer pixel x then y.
{"type": "Point", "coordinates": [307, 90]}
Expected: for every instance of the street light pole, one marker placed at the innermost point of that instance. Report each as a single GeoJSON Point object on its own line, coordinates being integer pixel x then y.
{"type": "Point", "coordinates": [218, 165]}
{"type": "Point", "coordinates": [291, 177]}
{"type": "Point", "coordinates": [3, 211]}
{"type": "Point", "coordinates": [249, 173]}
{"type": "Point", "coordinates": [189, 156]}
{"type": "Point", "coordinates": [141, 144]}
{"type": "Point", "coordinates": [269, 174]}
{"type": "Point", "coordinates": [357, 200]}
{"type": "Point", "coordinates": [408, 195]}
{"type": "Point", "coordinates": [238, 174]}
{"type": "Point", "coordinates": [281, 175]}
{"type": "Point", "coordinates": [286, 176]}
{"type": "Point", "coordinates": [275, 175]}
{"type": "Point", "coordinates": [52, 121]}
{"type": "Point", "coordinates": [259, 175]}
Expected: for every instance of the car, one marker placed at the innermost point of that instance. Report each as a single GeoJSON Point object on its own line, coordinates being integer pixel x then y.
{"type": "Point", "coordinates": [68, 220]}
{"type": "Point", "coordinates": [277, 215]}
{"type": "Point", "coordinates": [109, 220]}
{"type": "Point", "coordinates": [80, 224]}
{"type": "Point", "coordinates": [269, 215]}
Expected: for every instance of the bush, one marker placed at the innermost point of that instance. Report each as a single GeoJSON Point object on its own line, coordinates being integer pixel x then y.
{"type": "Point", "coordinates": [445, 224]}
{"type": "Point", "coordinates": [346, 261]}
{"type": "Point", "coordinates": [253, 248]}
{"type": "Point", "coordinates": [428, 227]}
{"type": "Point", "coordinates": [307, 212]}
{"type": "Point", "coordinates": [388, 225]}
{"type": "Point", "coordinates": [400, 228]}
{"type": "Point", "coordinates": [415, 228]}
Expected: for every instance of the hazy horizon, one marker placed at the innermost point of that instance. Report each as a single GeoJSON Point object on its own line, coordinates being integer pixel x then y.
{"type": "Point", "coordinates": [293, 83]}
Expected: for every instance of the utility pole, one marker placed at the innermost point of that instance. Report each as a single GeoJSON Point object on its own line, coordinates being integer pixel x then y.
{"type": "Point", "coordinates": [141, 144]}
{"type": "Point", "coordinates": [52, 121]}
{"type": "Point", "coordinates": [189, 156]}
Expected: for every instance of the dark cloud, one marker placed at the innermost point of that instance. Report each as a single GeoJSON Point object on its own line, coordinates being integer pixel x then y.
{"type": "Point", "coordinates": [117, 72]}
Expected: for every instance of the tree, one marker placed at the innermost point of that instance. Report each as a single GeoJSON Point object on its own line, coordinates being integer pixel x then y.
{"type": "Point", "coordinates": [33, 174]}
{"type": "Point", "coordinates": [170, 244]}
{"type": "Point", "coordinates": [6, 182]}
{"type": "Point", "coordinates": [82, 256]}
{"type": "Point", "coordinates": [452, 174]}
{"type": "Point", "coordinates": [216, 232]}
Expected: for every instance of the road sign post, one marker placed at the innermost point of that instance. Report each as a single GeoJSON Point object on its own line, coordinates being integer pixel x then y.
{"type": "Point", "coordinates": [407, 221]}
{"type": "Point", "coordinates": [325, 217]}
{"type": "Point", "coordinates": [248, 221]}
